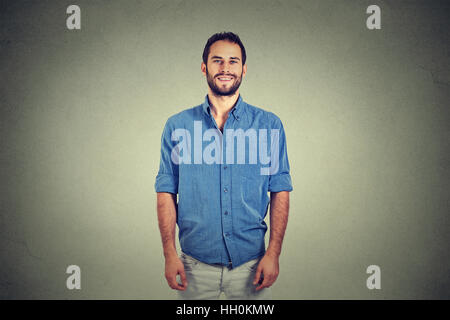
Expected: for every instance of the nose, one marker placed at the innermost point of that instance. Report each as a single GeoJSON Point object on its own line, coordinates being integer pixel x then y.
{"type": "Point", "coordinates": [225, 67]}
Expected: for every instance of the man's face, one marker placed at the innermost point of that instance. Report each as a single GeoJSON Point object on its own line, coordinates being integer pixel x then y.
{"type": "Point", "coordinates": [224, 69]}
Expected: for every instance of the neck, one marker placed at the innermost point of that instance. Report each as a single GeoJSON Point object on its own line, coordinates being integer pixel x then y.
{"type": "Point", "coordinates": [221, 105]}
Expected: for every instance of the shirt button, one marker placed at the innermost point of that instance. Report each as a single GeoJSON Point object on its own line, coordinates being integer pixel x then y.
{"type": "Point", "coordinates": [225, 167]}
{"type": "Point", "coordinates": [227, 234]}
{"type": "Point", "coordinates": [225, 190]}
{"type": "Point", "coordinates": [226, 212]}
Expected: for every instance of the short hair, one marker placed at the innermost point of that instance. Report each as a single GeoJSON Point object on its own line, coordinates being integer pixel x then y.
{"type": "Point", "coordinates": [229, 36]}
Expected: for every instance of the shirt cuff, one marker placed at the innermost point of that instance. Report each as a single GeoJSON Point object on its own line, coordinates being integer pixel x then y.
{"type": "Point", "coordinates": [166, 183]}
{"type": "Point", "coordinates": [280, 182]}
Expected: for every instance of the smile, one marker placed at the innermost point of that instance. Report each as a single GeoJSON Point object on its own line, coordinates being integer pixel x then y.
{"type": "Point", "coordinates": [225, 79]}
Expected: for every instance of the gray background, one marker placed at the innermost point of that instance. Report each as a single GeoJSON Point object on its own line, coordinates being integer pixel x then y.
{"type": "Point", "coordinates": [366, 118]}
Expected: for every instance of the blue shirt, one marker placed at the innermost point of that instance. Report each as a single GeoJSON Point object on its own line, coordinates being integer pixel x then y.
{"type": "Point", "coordinates": [223, 179]}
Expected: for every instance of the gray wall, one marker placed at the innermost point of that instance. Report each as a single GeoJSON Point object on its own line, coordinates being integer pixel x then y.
{"type": "Point", "coordinates": [365, 112]}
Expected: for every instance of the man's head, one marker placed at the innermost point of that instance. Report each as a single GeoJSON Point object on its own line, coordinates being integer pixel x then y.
{"type": "Point", "coordinates": [224, 63]}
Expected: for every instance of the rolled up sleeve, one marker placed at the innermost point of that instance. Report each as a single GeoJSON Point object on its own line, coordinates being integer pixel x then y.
{"type": "Point", "coordinates": [281, 180]}
{"type": "Point", "coordinates": [167, 178]}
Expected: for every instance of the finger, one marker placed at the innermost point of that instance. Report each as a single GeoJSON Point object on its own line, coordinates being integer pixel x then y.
{"type": "Point", "coordinates": [172, 280]}
{"type": "Point", "coordinates": [257, 275]}
{"type": "Point", "coordinates": [265, 284]}
{"type": "Point", "coordinates": [184, 281]}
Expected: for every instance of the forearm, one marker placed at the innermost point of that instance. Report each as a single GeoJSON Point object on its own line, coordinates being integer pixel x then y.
{"type": "Point", "coordinates": [279, 212]}
{"type": "Point", "coordinates": [167, 217]}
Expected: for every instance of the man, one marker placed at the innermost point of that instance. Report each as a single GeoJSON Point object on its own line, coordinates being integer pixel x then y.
{"type": "Point", "coordinates": [209, 158]}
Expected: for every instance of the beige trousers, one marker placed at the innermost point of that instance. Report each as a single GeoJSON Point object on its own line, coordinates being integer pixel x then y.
{"type": "Point", "coordinates": [207, 282]}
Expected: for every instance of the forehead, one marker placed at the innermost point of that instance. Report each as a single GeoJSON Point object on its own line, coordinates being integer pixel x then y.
{"type": "Point", "coordinates": [225, 49]}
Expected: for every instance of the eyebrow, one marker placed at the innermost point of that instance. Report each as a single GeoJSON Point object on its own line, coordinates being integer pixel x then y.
{"type": "Point", "coordinates": [218, 57]}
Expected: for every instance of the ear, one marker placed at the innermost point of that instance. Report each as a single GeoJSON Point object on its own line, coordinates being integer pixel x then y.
{"type": "Point", "coordinates": [244, 69]}
{"type": "Point", "coordinates": [203, 68]}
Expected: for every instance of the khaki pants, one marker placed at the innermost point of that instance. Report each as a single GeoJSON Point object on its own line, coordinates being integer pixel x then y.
{"type": "Point", "coordinates": [207, 282]}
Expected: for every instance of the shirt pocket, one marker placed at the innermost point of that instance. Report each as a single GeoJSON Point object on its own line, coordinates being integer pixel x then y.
{"type": "Point", "coordinates": [249, 188]}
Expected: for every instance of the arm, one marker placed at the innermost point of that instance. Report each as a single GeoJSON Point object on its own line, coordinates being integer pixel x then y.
{"type": "Point", "coordinates": [167, 215]}
{"type": "Point", "coordinates": [269, 264]}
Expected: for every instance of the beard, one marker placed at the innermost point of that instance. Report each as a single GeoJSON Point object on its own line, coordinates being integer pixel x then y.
{"type": "Point", "coordinates": [223, 91]}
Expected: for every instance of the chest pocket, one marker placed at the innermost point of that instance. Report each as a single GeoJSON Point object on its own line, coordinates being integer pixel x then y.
{"type": "Point", "coordinates": [249, 187]}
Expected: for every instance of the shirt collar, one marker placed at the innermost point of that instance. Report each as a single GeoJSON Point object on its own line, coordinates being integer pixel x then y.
{"type": "Point", "coordinates": [235, 111]}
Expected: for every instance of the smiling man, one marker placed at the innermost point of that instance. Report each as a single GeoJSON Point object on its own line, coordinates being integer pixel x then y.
{"type": "Point", "coordinates": [222, 202]}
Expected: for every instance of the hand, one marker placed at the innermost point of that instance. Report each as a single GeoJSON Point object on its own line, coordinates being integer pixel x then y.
{"type": "Point", "coordinates": [174, 266]}
{"type": "Point", "coordinates": [269, 267]}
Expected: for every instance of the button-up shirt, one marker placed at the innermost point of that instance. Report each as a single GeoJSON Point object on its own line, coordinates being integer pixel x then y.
{"type": "Point", "coordinates": [222, 179]}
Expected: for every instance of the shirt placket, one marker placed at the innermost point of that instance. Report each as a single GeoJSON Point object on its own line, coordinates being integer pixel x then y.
{"type": "Point", "coordinates": [225, 174]}
{"type": "Point", "coordinates": [225, 198]}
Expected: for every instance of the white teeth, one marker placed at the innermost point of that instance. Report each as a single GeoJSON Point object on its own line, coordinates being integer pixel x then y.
{"type": "Point", "coordinates": [224, 78]}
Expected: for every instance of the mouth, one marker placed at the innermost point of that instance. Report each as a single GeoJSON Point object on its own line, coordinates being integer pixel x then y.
{"type": "Point", "coordinates": [225, 79]}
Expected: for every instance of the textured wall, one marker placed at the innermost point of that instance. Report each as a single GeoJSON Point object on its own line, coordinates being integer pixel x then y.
{"type": "Point", "coordinates": [365, 112]}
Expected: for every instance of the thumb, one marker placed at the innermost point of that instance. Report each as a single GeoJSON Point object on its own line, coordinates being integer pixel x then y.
{"type": "Point", "coordinates": [257, 275]}
{"type": "Point", "coordinates": [183, 278]}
